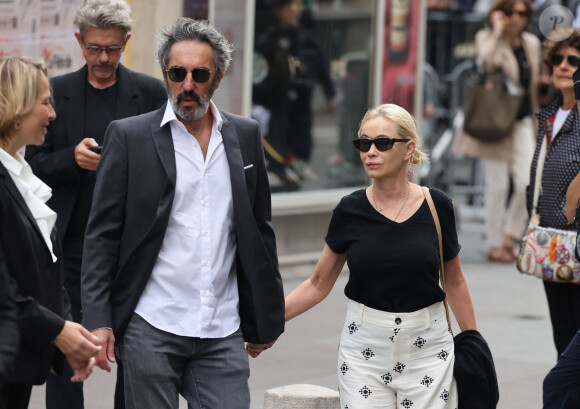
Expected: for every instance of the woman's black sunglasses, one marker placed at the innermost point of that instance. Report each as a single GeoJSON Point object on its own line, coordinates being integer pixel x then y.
{"type": "Point", "coordinates": [199, 75]}
{"type": "Point", "coordinates": [383, 143]}
{"type": "Point", "coordinates": [573, 60]}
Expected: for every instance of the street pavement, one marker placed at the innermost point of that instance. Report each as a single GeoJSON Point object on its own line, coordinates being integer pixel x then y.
{"type": "Point", "coordinates": [511, 312]}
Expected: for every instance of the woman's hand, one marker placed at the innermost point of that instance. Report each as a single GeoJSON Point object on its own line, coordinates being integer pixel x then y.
{"type": "Point", "coordinates": [76, 343]}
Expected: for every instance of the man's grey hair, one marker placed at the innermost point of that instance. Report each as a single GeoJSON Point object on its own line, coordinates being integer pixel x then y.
{"type": "Point", "coordinates": [103, 14]}
{"type": "Point", "coordinates": [185, 29]}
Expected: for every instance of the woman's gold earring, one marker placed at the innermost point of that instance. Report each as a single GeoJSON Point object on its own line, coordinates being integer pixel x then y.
{"type": "Point", "coordinates": [17, 125]}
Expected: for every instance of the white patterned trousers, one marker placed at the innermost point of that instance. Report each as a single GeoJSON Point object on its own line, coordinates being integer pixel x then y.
{"type": "Point", "coordinates": [396, 360]}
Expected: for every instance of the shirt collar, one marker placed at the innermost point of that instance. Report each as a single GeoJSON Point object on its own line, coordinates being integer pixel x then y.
{"type": "Point", "coordinates": [12, 164]}
{"type": "Point", "coordinates": [169, 115]}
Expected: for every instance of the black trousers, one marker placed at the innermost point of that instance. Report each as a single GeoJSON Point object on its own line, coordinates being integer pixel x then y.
{"type": "Point", "coordinates": [564, 305]}
{"type": "Point", "coordinates": [14, 395]}
{"type": "Point", "coordinates": [562, 384]}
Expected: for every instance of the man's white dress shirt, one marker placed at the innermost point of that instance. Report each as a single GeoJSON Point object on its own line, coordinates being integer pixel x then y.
{"type": "Point", "coordinates": [193, 289]}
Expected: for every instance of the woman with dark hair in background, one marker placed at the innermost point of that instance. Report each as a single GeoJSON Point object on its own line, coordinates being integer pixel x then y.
{"type": "Point", "coordinates": [30, 254]}
{"type": "Point", "coordinates": [559, 126]}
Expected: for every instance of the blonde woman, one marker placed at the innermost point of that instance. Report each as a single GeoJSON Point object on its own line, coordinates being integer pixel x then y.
{"type": "Point", "coordinates": [29, 249]}
{"type": "Point", "coordinates": [395, 349]}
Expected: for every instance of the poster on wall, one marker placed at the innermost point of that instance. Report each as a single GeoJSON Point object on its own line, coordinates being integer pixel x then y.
{"type": "Point", "coordinates": [41, 29]}
{"type": "Point", "coordinates": [401, 51]}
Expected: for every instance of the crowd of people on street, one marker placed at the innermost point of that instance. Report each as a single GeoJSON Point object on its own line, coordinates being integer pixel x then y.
{"type": "Point", "coordinates": [135, 226]}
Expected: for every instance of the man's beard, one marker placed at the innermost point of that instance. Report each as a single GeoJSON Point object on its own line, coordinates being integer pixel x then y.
{"type": "Point", "coordinates": [191, 113]}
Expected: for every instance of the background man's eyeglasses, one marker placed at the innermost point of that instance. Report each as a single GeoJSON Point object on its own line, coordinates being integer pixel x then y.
{"type": "Point", "coordinates": [573, 60]}
{"type": "Point", "coordinates": [382, 143]}
{"type": "Point", "coordinates": [113, 50]}
{"type": "Point", "coordinates": [199, 75]}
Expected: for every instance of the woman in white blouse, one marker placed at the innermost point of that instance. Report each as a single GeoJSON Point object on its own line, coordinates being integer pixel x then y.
{"type": "Point", "coordinates": [29, 248]}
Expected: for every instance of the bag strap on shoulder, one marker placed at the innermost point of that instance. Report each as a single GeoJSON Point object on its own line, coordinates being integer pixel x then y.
{"type": "Point", "coordinates": [429, 199]}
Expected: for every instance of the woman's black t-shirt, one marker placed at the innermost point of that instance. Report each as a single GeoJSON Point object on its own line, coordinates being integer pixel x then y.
{"type": "Point", "coordinates": [393, 266]}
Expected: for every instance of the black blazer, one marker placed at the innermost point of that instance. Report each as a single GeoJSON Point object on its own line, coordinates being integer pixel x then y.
{"type": "Point", "coordinates": [9, 325]}
{"type": "Point", "coordinates": [130, 212]}
{"type": "Point", "coordinates": [40, 296]}
{"type": "Point", "coordinates": [54, 160]}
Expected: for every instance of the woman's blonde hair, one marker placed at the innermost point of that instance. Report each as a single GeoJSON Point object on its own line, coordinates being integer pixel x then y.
{"type": "Point", "coordinates": [405, 125]}
{"type": "Point", "coordinates": [19, 79]}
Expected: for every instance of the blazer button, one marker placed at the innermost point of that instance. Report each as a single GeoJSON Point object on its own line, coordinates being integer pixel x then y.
{"type": "Point", "coordinates": [397, 321]}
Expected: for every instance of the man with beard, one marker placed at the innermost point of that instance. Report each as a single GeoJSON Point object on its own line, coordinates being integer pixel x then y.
{"type": "Point", "coordinates": [180, 261]}
{"type": "Point", "coordinates": [86, 101]}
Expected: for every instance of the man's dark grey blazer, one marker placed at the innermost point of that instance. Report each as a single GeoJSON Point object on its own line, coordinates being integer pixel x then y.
{"type": "Point", "coordinates": [130, 212]}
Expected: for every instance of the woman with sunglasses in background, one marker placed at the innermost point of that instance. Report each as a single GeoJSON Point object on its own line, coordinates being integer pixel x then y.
{"type": "Point", "coordinates": [506, 46]}
{"type": "Point", "coordinates": [559, 125]}
{"type": "Point", "coordinates": [395, 349]}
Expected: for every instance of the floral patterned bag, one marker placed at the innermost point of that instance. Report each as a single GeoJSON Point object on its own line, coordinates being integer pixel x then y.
{"type": "Point", "coordinates": [546, 252]}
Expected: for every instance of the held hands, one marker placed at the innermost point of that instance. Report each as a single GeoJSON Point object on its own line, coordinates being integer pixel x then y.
{"type": "Point", "coordinates": [256, 349]}
{"type": "Point", "coordinates": [79, 347]}
{"type": "Point", "coordinates": [84, 157]}
{"type": "Point", "coordinates": [106, 340]}
{"type": "Point", "coordinates": [82, 369]}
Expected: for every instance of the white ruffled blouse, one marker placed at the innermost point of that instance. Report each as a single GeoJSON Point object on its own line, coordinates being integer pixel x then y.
{"type": "Point", "coordinates": [35, 193]}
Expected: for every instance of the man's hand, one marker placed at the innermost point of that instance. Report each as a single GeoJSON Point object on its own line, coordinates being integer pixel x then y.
{"type": "Point", "coordinates": [82, 369]}
{"type": "Point", "coordinates": [85, 158]}
{"type": "Point", "coordinates": [76, 342]}
{"type": "Point", "coordinates": [106, 340]}
{"type": "Point", "coordinates": [256, 349]}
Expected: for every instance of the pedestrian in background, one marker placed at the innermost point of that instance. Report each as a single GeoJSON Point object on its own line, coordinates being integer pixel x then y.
{"type": "Point", "coordinates": [396, 349]}
{"type": "Point", "coordinates": [86, 102]}
{"type": "Point", "coordinates": [507, 46]}
{"type": "Point", "coordinates": [295, 64]}
{"type": "Point", "coordinates": [179, 263]}
{"type": "Point", "coordinates": [30, 252]}
{"type": "Point", "coordinates": [559, 124]}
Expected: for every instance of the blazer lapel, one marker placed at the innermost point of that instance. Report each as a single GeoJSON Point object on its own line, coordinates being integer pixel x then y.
{"type": "Point", "coordinates": [127, 95]}
{"type": "Point", "coordinates": [15, 193]}
{"type": "Point", "coordinates": [74, 113]}
{"type": "Point", "coordinates": [234, 155]}
{"type": "Point", "coordinates": [164, 145]}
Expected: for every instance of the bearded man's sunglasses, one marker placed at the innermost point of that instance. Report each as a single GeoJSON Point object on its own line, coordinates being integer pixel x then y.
{"type": "Point", "coordinates": [199, 75]}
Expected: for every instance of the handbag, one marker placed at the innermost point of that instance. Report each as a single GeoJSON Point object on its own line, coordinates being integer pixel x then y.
{"type": "Point", "coordinates": [491, 106]}
{"type": "Point", "coordinates": [473, 369]}
{"type": "Point", "coordinates": [546, 252]}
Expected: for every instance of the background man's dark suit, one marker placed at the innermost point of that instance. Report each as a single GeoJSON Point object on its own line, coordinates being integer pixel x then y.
{"type": "Point", "coordinates": [54, 163]}
{"type": "Point", "coordinates": [131, 208]}
{"type": "Point", "coordinates": [40, 296]}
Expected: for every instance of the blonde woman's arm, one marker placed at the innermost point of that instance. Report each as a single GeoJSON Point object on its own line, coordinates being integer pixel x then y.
{"type": "Point", "coordinates": [318, 286]}
{"type": "Point", "coordinates": [458, 295]}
